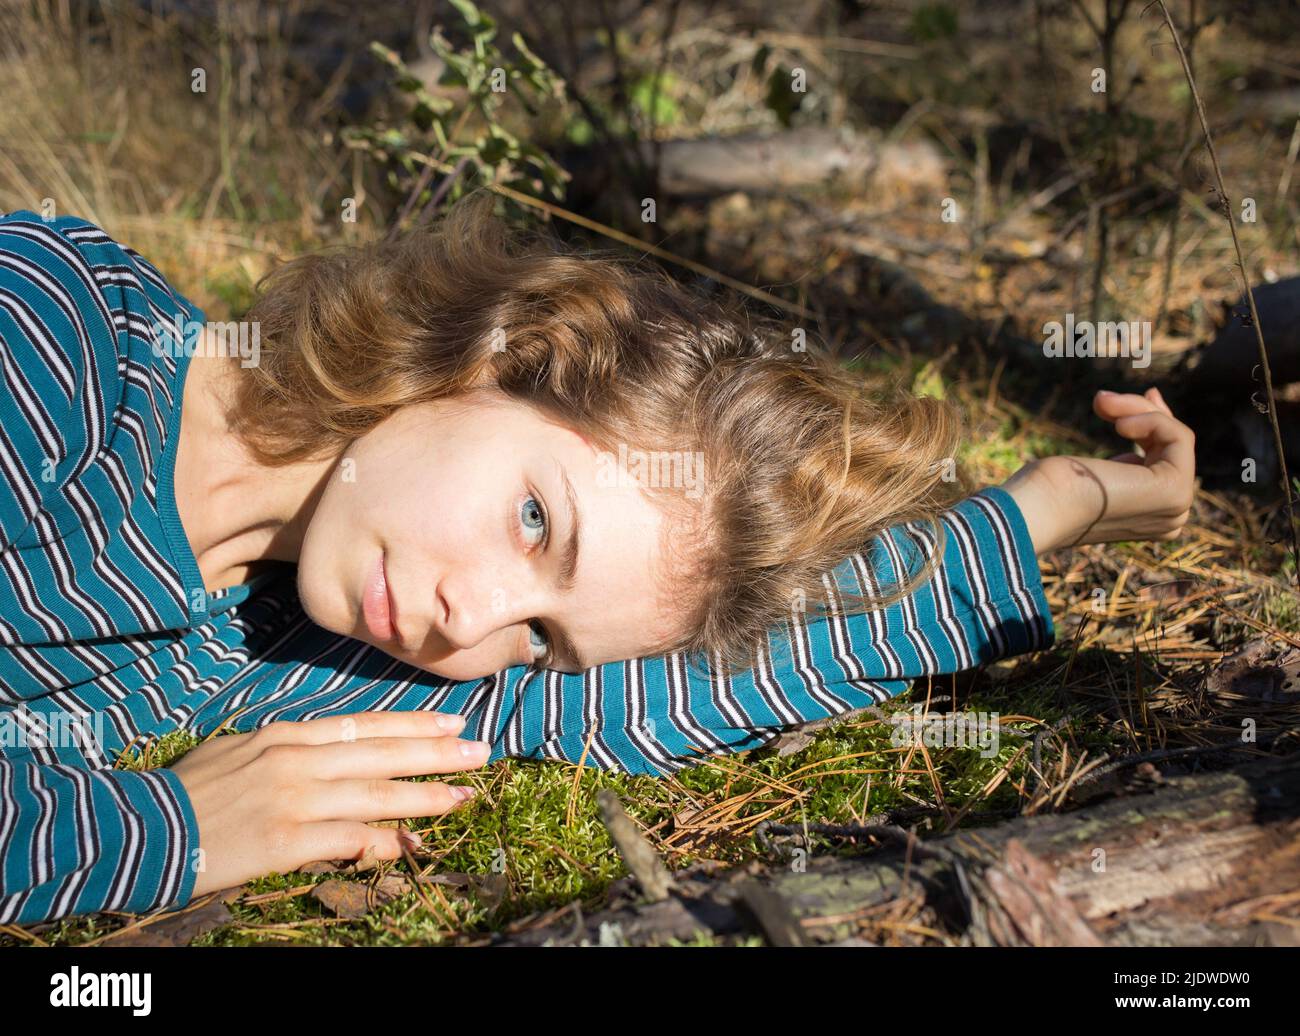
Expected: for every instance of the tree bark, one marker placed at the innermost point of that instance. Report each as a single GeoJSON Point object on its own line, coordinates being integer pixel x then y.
{"type": "Point", "coordinates": [1209, 859]}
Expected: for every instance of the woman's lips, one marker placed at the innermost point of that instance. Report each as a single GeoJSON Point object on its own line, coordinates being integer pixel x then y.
{"type": "Point", "coordinates": [377, 606]}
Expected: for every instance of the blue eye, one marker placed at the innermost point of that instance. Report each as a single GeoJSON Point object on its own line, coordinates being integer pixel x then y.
{"type": "Point", "coordinates": [538, 641]}
{"type": "Point", "coordinates": [533, 517]}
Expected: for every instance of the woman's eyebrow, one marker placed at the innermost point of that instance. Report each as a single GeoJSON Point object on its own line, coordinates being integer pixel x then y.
{"type": "Point", "coordinates": [569, 556]}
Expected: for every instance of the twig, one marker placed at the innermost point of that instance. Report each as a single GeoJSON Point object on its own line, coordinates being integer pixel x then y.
{"type": "Point", "coordinates": [1163, 754]}
{"type": "Point", "coordinates": [1042, 733]}
{"type": "Point", "coordinates": [443, 188]}
{"type": "Point", "coordinates": [1245, 282]}
{"type": "Point", "coordinates": [426, 175]}
{"type": "Point", "coordinates": [883, 831]}
{"type": "Point", "coordinates": [858, 46]}
{"type": "Point", "coordinates": [642, 861]}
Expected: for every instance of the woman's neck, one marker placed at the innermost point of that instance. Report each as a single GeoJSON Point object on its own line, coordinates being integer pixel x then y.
{"type": "Point", "coordinates": [237, 514]}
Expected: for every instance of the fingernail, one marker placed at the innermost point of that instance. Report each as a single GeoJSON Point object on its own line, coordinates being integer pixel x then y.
{"type": "Point", "coordinates": [469, 749]}
{"type": "Point", "coordinates": [452, 724]}
{"type": "Point", "coordinates": [1105, 392]}
{"type": "Point", "coordinates": [462, 792]}
{"type": "Point", "coordinates": [412, 841]}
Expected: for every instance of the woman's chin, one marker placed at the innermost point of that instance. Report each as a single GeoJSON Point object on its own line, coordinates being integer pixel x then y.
{"type": "Point", "coordinates": [448, 669]}
{"type": "Point", "coordinates": [448, 672]}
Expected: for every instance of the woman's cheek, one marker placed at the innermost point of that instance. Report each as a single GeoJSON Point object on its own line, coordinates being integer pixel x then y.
{"type": "Point", "coordinates": [310, 598]}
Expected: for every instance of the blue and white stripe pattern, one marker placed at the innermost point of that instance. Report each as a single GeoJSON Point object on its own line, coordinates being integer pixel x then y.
{"type": "Point", "coordinates": [104, 619]}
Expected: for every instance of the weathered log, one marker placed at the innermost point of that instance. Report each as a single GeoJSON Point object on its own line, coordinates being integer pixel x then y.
{"type": "Point", "coordinates": [765, 162]}
{"type": "Point", "coordinates": [1204, 859]}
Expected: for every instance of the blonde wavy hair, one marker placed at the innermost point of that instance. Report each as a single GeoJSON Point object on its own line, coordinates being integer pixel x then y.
{"type": "Point", "coordinates": [805, 461]}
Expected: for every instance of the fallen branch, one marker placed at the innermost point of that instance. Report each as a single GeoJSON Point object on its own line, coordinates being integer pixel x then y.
{"type": "Point", "coordinates": [1203, 859]}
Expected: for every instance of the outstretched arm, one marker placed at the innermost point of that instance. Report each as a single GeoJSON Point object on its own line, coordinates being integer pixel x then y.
{"type": "Point", "coordinates": [656, 715]}
{"type": "Point", "coordinates": [985, 602]}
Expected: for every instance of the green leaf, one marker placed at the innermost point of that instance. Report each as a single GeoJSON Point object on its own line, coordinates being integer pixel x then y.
{"type": "Point", "coordinates": [504, 134]}
{"type": "Point", "coordinates": [437, 105]}
{"type": "Point", "coordinates": [473, 17]}
{"type": "Point", "coordinates": [580, 132]}
{"type": "Point", "coordinates": [928, 382]}
{"type": "Point", "coordinates": [643, 95]}
{"type": "Point", "coordinates": [530, 59]}
{"type": "Point", "coordinates": [482, 27]}
{"type": "Point", "coordinates": [385, 54]}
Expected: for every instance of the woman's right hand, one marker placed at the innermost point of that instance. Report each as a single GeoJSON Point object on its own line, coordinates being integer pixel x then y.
{"type": "Point", "coordinates": [278, 798]}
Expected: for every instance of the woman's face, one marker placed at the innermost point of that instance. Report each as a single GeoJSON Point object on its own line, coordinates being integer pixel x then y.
{"type": "Point", "coordinates": [495, 542]}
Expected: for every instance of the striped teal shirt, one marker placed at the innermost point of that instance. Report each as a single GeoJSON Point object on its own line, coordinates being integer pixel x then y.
{"type": "Point", "coordinates": [108, 638]}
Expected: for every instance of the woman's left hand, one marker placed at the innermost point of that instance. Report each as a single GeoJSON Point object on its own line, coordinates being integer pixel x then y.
{"type": "Point", "coordinates": [1070, 501]}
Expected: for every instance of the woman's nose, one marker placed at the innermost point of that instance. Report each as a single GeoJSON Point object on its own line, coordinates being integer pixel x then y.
{"type": "Point", "coordinates": [468, 612]}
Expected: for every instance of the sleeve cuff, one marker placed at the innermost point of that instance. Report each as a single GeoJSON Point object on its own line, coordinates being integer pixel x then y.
{"type": "Point", "coordinates": [170, 786]}
{"type": "Point", "coordinates": [82, 841]}
{"type": "Point", "coordinates": [1015, 579]}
